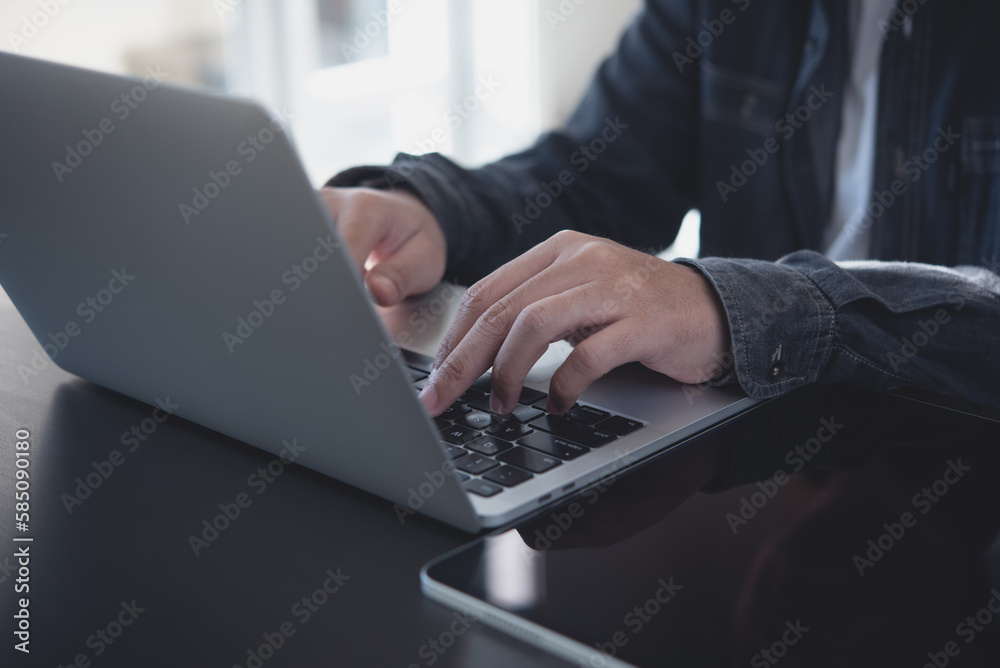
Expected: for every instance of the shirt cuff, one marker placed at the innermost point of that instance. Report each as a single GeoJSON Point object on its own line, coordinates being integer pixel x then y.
{"type": "Point", "coordinates": [781, 324]}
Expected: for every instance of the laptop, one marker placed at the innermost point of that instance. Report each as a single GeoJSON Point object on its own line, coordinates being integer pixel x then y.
{"type": "Point", "coordinates": [167, 244]}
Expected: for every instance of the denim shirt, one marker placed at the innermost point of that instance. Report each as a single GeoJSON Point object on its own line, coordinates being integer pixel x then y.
{"type": "Point", "coordinates": [732, 107]}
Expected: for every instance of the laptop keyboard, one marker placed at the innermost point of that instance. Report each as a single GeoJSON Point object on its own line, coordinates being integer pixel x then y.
{"type": "Point", "coordinates": [492, 453]}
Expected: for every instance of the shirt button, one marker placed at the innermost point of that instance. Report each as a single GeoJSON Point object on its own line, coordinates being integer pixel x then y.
{"type": "Point", "coordinates": [776, 371]}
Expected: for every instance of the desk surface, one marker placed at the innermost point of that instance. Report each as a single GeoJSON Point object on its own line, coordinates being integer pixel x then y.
{"type": "Point", "coordinates": [128, 542]}
{"type": "Point", "coordinates": [118, 499]}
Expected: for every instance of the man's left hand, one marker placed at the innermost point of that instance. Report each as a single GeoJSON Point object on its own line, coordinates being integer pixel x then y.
{"type": "Point", "coordinates": [617, 305]}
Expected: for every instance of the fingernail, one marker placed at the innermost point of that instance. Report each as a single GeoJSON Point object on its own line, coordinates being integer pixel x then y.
{"type": "Point", "coordinates": [385, 286]}
{"type": "Point", "coordinates": [429, 397]}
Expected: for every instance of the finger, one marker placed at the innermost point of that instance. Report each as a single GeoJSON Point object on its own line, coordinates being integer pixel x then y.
{"type": "Point", "coordinates": [575, 338]}
{"type": "Point", "coordinates": [404, 272]}
{"type": "Point", "coordinates": [487, 292]}
{"type": "Point", "coordinates": [539, 324]}
{"type": "Point", "coordinates": [360, 222]}
{"type": "Point", "coordinates": [474, 353]}
{"type": "Point", "coordinates": [595, 356]}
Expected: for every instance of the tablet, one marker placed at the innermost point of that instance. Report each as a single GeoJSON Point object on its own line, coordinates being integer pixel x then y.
{"type": "Point", "coordinates": [833, 526]}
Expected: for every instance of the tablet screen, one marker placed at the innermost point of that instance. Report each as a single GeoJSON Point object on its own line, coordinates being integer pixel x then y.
{"type": "Point", "coordinates": [832, 527]}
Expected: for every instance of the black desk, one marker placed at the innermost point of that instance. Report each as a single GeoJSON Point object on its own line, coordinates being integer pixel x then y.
{"type": "Point", "coordinates": [129, 541]}
{"type": "Point", "coordinates": [123, 564]}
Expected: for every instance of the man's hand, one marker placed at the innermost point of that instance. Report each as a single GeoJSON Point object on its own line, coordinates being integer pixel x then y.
{"type": "Point", "coordinates": [393, 237]}
{"type": "Point", "coordinates": [616, 304]}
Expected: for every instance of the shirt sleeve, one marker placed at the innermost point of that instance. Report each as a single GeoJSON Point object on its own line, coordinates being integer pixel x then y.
{"type": "Point", "coordinates": [886, 325]}
{"type": "Point", "coordinates": [620, 168]}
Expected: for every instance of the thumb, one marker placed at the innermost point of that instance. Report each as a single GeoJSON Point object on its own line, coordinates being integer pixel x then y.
{"type": "Point", "coordinates": [414, 268]}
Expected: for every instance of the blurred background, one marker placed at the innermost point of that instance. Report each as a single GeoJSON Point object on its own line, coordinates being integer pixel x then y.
{"type": "Point", "coordinates": [355, 81]}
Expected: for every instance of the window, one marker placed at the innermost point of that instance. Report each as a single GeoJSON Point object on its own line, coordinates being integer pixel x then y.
{"type": "Point", "coordinates": [357, 80]}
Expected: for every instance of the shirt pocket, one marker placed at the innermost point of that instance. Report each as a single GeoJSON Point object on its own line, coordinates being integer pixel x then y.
{"type": "Point", "coordinates": [979, 191]}
{"type": "Point", "coordinates": [742, 101]}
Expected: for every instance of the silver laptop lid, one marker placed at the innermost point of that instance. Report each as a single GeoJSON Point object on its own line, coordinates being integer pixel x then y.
{"type": "Point", "coordinates": [162, 242]}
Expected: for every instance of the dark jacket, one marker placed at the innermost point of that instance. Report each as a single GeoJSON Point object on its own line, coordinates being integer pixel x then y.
{"type": "Point", "coordinates": [732, 107]}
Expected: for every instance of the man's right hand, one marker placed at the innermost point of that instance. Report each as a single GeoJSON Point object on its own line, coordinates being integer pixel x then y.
{"type": "Point", "coordinates": [393, 237]}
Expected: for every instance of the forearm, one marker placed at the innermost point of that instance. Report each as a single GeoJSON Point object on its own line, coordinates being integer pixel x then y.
{"type": "Point", "coordinates": [886, 325]}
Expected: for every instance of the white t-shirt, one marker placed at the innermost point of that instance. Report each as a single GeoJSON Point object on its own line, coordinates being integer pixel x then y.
{"type": "Point", "coordinates": [848, 233]}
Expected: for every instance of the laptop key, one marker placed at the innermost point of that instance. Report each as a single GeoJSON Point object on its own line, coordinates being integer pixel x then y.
{"type": "Point", "coordinates": [521, 413]}
{"type": "Point", "coordinates": [508, 476]}
{"type": "Point", "coordinates": [453, 451]}
{"type": "Point", "coordinates": [481, 404]}
{"type": "Point", "coordinates": [476, 420]}
{"type": "Point", "coordinates": [461, 477]}
{"type": "Point", "coordinates": [550, 444]}
{"type": "Point", "coordinates": [456, 434]}
{"type": "Point", "coordinates": [475, 464]}
{"type": "Point", "coordinates": [454, 411]}
{"type": "Point", "coordinates": [417, 361]}
{"type": "Point", "coordinates": [441, 423]}
{"type": "Point", "coordinates": [525, 458]}
{"type": "Point", "coordinates": [526, 413]}
{"type": "Point", "coordinates": [509, 430]}
{"type": "Point", "coordinates": [572, 430]}
{"type": "Point", "coordinates": [414, 374]}
{"type": "Point", "coordinates": [587, 414]}
{"type": "Point", "coordinates": [530, 396]}
{"type": "Point", "coordinates": [483, 384]}
{"type": "Point", "coordinates": [489, 445]}
{"type": "Point", "coordinates": [619, 425]}
{"type": "Point", "coordinates": [482, 488]}
{"type": "Point", "coordinates": [470, 394]}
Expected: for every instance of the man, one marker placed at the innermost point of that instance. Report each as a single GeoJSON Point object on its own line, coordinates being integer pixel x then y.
{"type": "Point", "coordinates": [845, 157]}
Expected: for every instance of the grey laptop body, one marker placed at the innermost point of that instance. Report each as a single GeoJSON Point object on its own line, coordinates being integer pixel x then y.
{"type": "Point", "coordinates": [163, 242]}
